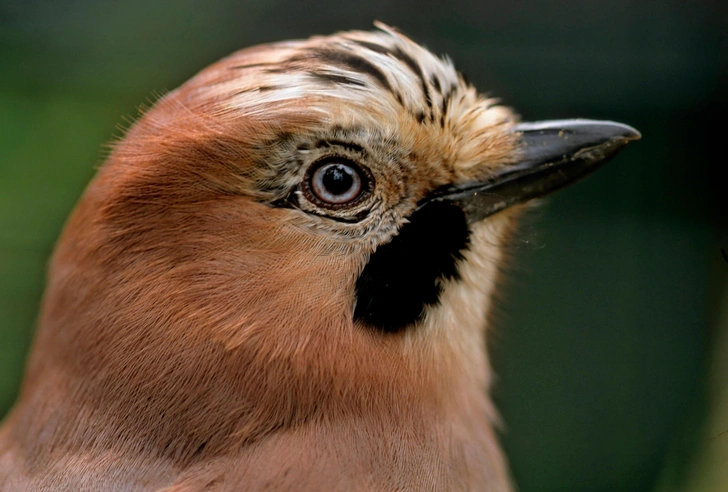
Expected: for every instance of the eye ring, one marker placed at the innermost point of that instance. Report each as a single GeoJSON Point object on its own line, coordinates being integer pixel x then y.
{"type": "Point", "coordinates": [336, 182]}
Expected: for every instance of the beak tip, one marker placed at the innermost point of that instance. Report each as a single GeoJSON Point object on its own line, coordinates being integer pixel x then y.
{"type": "Point", "coordinates": [628, 133]}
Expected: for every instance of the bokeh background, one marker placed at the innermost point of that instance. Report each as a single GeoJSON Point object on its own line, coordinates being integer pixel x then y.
{"type": "Point", "coordinates": [612, 343]}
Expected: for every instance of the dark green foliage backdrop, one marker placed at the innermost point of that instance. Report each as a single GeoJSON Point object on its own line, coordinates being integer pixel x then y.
{"type": "Point", "coordinates": [614, 303]}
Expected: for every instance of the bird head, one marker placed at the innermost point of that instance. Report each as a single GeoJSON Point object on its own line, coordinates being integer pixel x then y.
{"type": "Point", "coordinates": [304, 231]}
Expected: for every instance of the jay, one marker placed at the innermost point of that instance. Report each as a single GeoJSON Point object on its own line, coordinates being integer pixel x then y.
{"type": "Point", "coordinates": [281, 278]}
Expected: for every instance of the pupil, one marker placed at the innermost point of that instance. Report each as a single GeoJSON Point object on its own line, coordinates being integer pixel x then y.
{"type": "Point", "coordinates": [337, 180]}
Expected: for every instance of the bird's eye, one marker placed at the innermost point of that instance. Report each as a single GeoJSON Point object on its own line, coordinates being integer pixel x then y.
{"type": "Point", "coordinates": [336, 182]}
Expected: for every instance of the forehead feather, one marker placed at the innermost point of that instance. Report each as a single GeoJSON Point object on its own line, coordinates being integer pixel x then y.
{"type": "Point", "coordinates": [377, 83]}
{"type": "Point", "coordinates": [381, 71]}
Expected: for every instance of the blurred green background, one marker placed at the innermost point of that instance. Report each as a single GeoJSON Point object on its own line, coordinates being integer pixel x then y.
{"type": "Point", "coordinates": [612, 344]}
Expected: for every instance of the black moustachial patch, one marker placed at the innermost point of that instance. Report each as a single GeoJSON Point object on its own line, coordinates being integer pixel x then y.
{"type": "Point", "coordinates": [402, 276]}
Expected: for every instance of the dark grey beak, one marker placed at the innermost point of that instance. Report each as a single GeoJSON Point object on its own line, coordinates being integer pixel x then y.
{"type": "Point", "coordinates": [555, 154]}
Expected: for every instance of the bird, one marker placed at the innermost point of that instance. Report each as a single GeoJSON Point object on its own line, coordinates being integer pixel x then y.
{"type": "Point", "coordinates": [282, 278]}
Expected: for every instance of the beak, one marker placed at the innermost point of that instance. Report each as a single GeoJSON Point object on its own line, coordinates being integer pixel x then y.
{"type": "Point", "coordinates": [554, 155]}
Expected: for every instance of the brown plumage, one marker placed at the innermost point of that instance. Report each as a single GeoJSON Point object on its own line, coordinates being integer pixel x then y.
{"type": "Point", "coordinates": [219, 315]}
